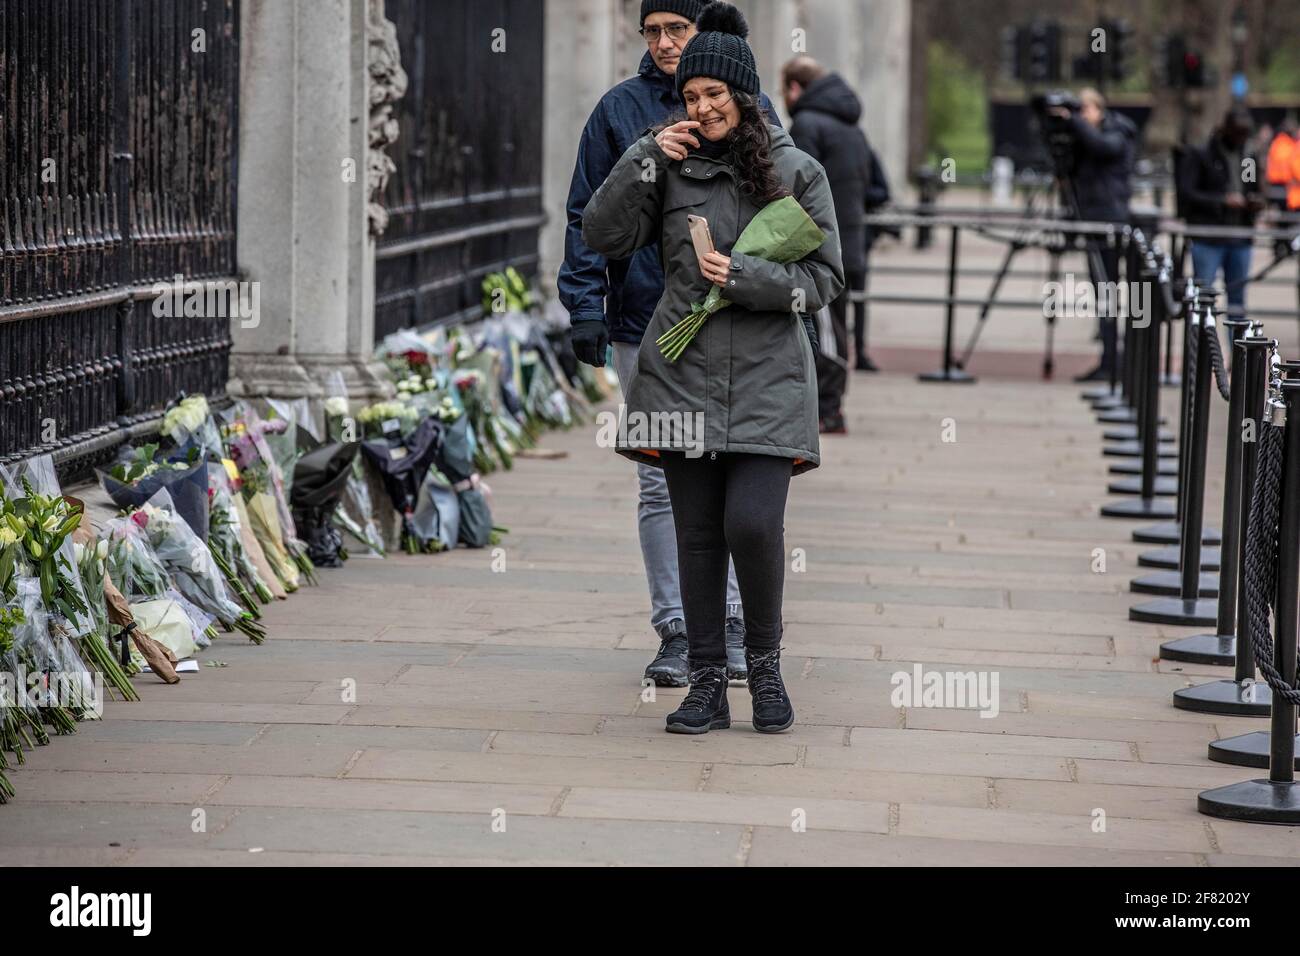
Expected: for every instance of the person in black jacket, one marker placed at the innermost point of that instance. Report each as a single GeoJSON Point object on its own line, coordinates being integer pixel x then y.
{"type": "Point", "coordinates": [1105, 148]}
{"type": "Point", "coordinates": [1217, 186]}
{"type": "Point", "coordinates": [824, 124]}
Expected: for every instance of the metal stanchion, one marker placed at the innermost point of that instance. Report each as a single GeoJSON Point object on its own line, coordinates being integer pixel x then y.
{"type": "Point", "coordinates": [1163, 267]}
{"type": "Point", "coordinates": [1262, 569]}
{"type": "Point", "coordinates": [1277, 798]}
{"type": "Point", "coordinates": [1145, 358]}
{"type": "Point", "coordinates": [950, 372]}
{"type": "Point", "coordinates": [1171, 532]}
{"type": "Point", "coordinates": [1190, 583]}
{"type": "Point", "coordinates": [1241, 695]}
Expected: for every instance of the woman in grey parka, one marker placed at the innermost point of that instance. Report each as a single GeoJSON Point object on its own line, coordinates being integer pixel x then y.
{"type": "Point", "coordinates": [736, 415]}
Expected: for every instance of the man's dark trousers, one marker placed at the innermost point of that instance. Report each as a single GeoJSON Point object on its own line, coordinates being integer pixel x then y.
{"type": "Point", "coordinates": [1107, 256]}
{"type": "Point", "coordinates": [832, 374]}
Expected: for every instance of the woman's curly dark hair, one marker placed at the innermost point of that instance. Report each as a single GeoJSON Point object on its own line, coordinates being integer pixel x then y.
{"type": "Point", "coordinates": [750, 150]}
{"type": "Point", "coordinates": [751, 153]}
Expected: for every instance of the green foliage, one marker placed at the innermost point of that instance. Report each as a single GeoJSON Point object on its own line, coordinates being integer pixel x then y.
{"type": "Point", "coordinates": [956, 111]}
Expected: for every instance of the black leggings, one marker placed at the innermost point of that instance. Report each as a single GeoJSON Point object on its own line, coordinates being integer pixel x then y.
{"type": "Point", "coordinates": [730, 504]}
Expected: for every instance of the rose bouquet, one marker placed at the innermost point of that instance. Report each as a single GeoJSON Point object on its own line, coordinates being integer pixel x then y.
{"type": "Point", "coordinates": [781, 232]}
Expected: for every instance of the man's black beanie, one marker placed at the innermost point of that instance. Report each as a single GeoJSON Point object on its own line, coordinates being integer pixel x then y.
{"type": "Point", "coordinates": [690, 9]}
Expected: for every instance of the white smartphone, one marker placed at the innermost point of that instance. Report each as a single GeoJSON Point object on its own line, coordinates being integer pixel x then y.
{"type": "Point", "coordinates": [700, 236]}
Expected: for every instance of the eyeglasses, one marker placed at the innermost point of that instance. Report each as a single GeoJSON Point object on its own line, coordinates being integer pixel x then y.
{"type": "Point", "coordinates": [675, 30]}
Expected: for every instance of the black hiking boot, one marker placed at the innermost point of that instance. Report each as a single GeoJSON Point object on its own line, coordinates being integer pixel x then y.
{"type": "Point", "coordinates": [705, 706]}
{"type": "Point", "coordinates": [772, 710]}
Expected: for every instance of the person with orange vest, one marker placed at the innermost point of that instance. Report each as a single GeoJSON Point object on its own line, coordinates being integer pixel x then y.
{"type": "Point", "coordinates": [1283, 166]}
{"type": "Point", "coordinates": [1293, 188]}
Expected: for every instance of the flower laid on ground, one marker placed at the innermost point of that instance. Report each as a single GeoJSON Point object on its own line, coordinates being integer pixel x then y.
{"type": "Point", "coordinates": [781, 232]}
{"type": "Point", "coordinates": [506, 292]}
{"type": "Point", "coordinates": [382, 417]}
{"type": "Point", "coordinates": [189, 422]}
{"type": "Point", "coordinates": [43, 522]}
{"type": "Point", "coordinates": [227, 545]}
{"type": "Point", "coordinates": [132, 482]}
{"type": "Point", "coordinates": [193, 570]}
{"type": "Point", "coordinates": [92, 567]}
{"type": "Point", "coordinates": [263, 490]}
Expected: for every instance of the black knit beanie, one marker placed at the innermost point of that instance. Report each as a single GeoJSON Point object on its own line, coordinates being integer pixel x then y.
{"type": "Point", "coordinates": [719, 51]}
{"type": "Point", "coordinates": [690, 9]}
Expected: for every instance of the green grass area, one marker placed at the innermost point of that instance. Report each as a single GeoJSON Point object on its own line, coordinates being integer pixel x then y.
{"type": "Point", "coordinates": [956, 112]}
{"type": "Point", "coordinates": [1283, 73]}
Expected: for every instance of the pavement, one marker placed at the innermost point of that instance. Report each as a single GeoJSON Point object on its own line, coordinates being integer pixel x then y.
{"type": "Point", "coordinates": [485, 707]}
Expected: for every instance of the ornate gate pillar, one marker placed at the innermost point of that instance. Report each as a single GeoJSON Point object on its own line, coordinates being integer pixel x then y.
{"type": "Point", "coordinates": [319, 79]}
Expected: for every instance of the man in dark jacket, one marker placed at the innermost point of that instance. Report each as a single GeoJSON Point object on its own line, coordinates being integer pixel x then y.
{"type": "Point", "coordinates": [824, 124]}
{"type": "Point", "coordinates": [613, 300]}
{"type": "Point", "coordinates": [1105, 149]}
{"type": "Point", "coordinates": [1218, 186]}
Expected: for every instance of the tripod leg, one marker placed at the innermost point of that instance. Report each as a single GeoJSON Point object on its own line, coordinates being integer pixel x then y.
{"type": "Point", "coordinates": [988, 304]}
{"type": "Point", "coordinates": [1054, 275]}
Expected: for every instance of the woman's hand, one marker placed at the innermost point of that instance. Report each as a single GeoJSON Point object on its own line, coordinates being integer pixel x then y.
{"type": "Point", "coordinates": [716, 268]}
{"type": "Point", "coordinates": [674, 140]}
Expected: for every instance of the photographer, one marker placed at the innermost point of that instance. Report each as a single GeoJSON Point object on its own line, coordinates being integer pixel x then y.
{"type": "Point", "coordinates": [1104, 144]}
{"type": "Point", "coordinates": [1218, 188]}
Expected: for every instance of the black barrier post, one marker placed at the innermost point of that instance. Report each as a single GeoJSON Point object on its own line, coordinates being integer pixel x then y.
{"type": "Point", "coordinates": [1189, 582]}
{"type": "Point", "coordinates": [1277, 799]}
{"type": "Point", "coordinates": [1145, 357]}
{"type": "Point", "coordinates": [1171, 532]}
{"type": "Point", "coordinates": [1241, 695]}
{"type": "Point", "coordinates": [950, 372]}
{"type": "Point", "coordinates": [1165, 466]}
{"type": "Point", "coordinates": [1115, 402]}
{"type": "Point", "coordinates": [1145, 363]}
{"type": "Point", "coordinates": [1121, 369]}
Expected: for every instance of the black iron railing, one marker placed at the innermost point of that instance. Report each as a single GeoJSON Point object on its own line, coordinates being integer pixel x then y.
{"type": "Point", "coordinates": [466, 198]}
{"type": "Point", "coordinates": [118, 130]}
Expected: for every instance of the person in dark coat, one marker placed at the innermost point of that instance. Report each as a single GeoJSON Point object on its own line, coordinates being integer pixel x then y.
{"type": "Point", "coordinates": [740, 401]}
{"type": "Point", "coordinates": [1215, 190]}
{"type": "Point", "coordinates": [1105, 150]}
{"type": "Point", "coordinates": [824, 124]}
{"type": "Point", "coordinates": [612, 300]}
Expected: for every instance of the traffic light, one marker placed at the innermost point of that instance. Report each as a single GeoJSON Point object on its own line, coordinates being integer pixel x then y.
{"type": "Point", "coordinates": [1183, 68]}
{"type": "Point", "coordinates": [1044, 61]}
{"type": "Point", "coordinates": [1119, 36]}
{"type": "Point", "coordinates": [1013, 52]}
{"type": "Point", "coordinates": [1170, 49]}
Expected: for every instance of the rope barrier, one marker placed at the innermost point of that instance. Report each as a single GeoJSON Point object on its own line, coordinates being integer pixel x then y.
{"type": "Point", "coordinates": [1261, 558]}
{"type": "Point", "coordinates": [1216, 360]}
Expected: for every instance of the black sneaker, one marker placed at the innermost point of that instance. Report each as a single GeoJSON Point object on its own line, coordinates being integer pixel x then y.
{"type": "Point", "coordinates": [1098, 374]}
{"type": "Point", "coordinates": [669, 668]}
{"type": "Point", "coordinates": [863, 363]}
{"type": "Point", "coordinates": [772, 710]}
{"type": "Point", "coordinates": [705, 706]}
{"type": "Point", "coordinates": [736, 669]}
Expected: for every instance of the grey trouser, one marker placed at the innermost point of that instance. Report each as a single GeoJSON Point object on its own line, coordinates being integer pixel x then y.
{"type": "Point", "coordinates": [654, 516]}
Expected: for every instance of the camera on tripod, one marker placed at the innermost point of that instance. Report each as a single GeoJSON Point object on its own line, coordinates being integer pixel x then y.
{"type": "Point", "coordinates": [1057, 130]}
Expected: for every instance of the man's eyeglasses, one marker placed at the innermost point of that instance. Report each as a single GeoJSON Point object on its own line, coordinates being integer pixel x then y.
{"type": "Point", "coordinates": [675, 30]}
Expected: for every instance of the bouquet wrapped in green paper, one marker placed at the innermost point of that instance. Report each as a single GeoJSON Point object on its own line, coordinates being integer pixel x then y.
{"type": "Point", "coordinates": [781, 232]}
